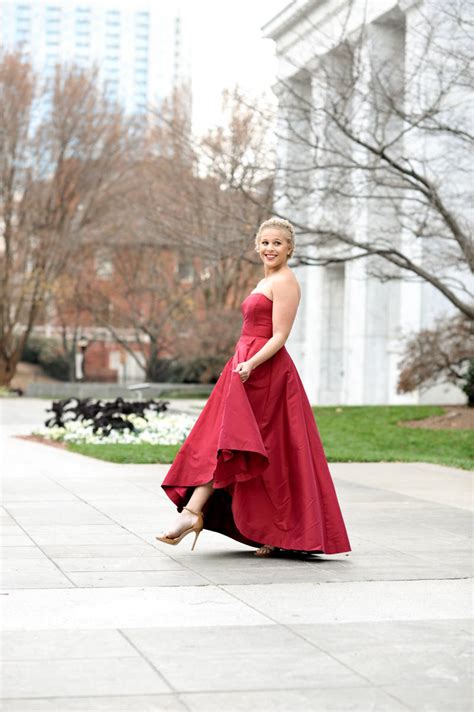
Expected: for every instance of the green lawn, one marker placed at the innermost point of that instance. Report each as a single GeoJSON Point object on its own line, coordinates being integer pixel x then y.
{"type": "Point", "coordinates": [349, 434]}
{"type": "Point", "coordinates": [372, 434]}
{"type": "Point", "coordinates": [141, 454]}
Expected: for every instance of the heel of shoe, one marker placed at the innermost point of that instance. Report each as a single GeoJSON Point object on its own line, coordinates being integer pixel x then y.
{"type": "Point", "coordinates": [196, 534]}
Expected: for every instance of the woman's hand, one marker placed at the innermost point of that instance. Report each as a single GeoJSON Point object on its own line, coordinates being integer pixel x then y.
{"type": "Point", "coordinates": [244, 369]}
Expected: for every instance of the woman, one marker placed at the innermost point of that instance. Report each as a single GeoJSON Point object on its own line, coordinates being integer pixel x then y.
{"type": "Point", "coordinates": [253, 466]}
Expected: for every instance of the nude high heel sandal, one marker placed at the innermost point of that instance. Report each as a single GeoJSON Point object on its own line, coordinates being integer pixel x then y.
{"type": "Point", "coordinates": [196, 528]}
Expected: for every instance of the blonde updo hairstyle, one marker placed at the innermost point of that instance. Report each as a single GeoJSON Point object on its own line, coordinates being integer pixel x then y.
{"type": "Point", "coordinates": [279, 224]}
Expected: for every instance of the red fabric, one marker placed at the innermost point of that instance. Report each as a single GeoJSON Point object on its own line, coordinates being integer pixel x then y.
{"type": "Point", "coordinates": [259, 442]}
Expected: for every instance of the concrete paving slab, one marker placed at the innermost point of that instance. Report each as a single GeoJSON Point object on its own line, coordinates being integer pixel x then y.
{"type": "Point", "coordinates": [64, 644]}
{"type": "Point", "coordinates": [431, 483]}
{"type": "Point", "coordinates": [322, 699]}
{"type": "Point", "coordinates": [260, 657]}
{"type": "Point", "coordinates": [81, 534]}
{"type": "Point", "coordinates": [398, 652]}
{"type": "Point", "coordinates": [10, 529]}
{"type": "Point", "coordinates": [35, 489]}
{"type": "Point", "coordinates": [339, 638]}
{"type": "Point", "coordinates": [116, 563]}
{"type": "Point", "coordinates": [26, 566]}
{"type": "Point", "coordinates": [21, 552]}
{"type": "Point", "coordinates": [434, 697]}
{"type": "Point", "coordinates": [86, 579]}
{"type": "Point", "coordinates": [358, 601]}
{"type": "Point", "coordinates": [34, 579]}
{"type": "Point", "coordinates": [6, 518]}
{"type": "Point", "coordinates": [94, 676]}
{"type": "Point", "coordinates": [70, 513]}
{"type": "Point", "coordinates": [73, 551]}
{"type": "Point", "coordinates": [128, 703]}
{"type": "Point", "coordinates": [124, 607]}
{"type": "Point", "coordinates": [21, 539]}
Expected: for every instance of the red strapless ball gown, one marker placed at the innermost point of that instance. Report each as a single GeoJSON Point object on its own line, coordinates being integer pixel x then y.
{"type": "Point", "coordinates": [259, 442]}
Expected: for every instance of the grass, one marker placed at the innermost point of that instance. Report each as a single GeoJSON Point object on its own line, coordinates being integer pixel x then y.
{"type": "Point", "coordinates": [144, 454]}
{"type": "Point", "coordinates": [372, 434]}
{"type": "Point", "coordinates": [176, 393]}
{"type": "Point", "coordinates": [349, 434]}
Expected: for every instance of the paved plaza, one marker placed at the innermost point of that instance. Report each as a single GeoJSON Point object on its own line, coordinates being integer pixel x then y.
{"type": "Point", "coordinates": [98, 615]}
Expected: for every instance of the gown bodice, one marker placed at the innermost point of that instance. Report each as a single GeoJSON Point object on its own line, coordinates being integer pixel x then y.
{"type": "Point", "coordinates": [257, 313]}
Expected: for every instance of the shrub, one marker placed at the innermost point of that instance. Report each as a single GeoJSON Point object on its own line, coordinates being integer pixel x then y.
{"type": "Point", "coordinates": [468, 387]}
{"type": "Point", "coordinates": [48, 354]}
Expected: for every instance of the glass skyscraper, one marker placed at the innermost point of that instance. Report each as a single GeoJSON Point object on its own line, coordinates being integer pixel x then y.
{"type": "Point", "coordinates": [139, 46]}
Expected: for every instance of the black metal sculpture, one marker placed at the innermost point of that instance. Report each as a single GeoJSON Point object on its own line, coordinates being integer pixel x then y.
{"type": "Point", "coordinates": [107, 415]}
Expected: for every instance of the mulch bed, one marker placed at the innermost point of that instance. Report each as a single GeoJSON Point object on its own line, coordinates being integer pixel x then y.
{"type": "Point", "coordinates": [42, 441]}
{"type": "Point", "coordinates": [459, 417]}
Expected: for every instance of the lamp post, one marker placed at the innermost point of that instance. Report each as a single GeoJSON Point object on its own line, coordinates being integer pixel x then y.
{"type": "Point", "coordinates": [83, 343]}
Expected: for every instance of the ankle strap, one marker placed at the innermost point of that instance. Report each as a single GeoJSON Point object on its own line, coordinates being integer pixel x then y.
{"type": "Point", "coordinates": [198, 514]}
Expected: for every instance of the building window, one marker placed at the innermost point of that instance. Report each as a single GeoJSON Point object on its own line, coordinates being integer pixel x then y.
{"type": "Point", "coordinates": [185, 269]}
{"type": "Point", "coordinates": [111, 88]}
{"type": "Point", "coordinates": [112, 18]}
{"type": "Point", "coordinates": [53, 14]}
{"type": "Point", "coordinates": [104, 267]}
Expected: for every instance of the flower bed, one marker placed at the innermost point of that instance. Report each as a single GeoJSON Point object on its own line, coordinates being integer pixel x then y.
{"type": "Point", "coordinates": [153, 428]}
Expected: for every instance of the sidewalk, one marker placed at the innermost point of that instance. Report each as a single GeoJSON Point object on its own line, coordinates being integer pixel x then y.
{"type": "Point", "coordinates": [98, 615]}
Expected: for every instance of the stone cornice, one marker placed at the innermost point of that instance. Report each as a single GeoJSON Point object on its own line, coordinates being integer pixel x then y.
{"type": "Point", "coordinates": [288, 17]}
{"type": "Point", "coordinates": [405, 5]}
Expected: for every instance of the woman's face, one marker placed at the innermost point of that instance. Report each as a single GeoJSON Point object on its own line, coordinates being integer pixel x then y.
{"type": "Point", "coordinates": [273, 247]}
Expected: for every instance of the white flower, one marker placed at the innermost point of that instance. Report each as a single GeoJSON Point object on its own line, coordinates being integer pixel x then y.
{"type": "Point", "coordinates": [154, 428]}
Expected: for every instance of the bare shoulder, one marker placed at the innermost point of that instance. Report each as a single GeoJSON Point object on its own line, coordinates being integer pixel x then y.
{"type": "Point", "coordinates": [286, 285]}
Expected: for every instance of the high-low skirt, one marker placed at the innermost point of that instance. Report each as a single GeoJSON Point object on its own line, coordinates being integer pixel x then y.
{"type": "Point", "coordinates": [259, 444]}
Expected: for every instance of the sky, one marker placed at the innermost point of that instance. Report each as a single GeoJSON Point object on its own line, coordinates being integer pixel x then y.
{"type": "Point", "coordinates": [227, 47]}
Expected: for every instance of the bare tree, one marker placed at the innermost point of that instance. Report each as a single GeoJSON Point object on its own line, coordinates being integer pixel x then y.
{"type": "Point", "coordinates": [62, 148]}
{"type": "Point", "coordinates": [195, 186]}
{"type": "Point", "coordinates": [142, 305]}
{"type": "Point", "coordinates": [193, 238]}
{"type": "Point", "coordinates": [368, 140]}
{"type": "Point", "coordinates": [440, 354]}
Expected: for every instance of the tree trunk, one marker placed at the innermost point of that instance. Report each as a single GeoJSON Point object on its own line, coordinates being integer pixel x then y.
{"type": "Point", "coordinates": [8, 366]}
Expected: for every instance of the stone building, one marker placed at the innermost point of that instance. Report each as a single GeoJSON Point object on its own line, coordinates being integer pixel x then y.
{"type": "Point", "coordinates": [349, 334]}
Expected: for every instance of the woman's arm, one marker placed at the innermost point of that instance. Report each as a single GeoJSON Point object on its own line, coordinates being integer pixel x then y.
{"type": "Point", "coordinates": [285, 306]}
